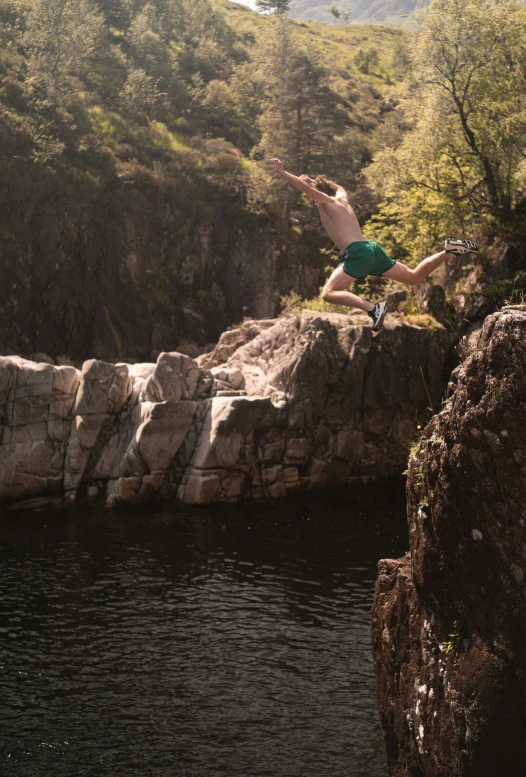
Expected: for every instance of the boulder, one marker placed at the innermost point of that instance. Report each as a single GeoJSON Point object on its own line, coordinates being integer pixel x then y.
{"type": "Point", "coordinates": [229, 375]}
{"type": "Point", "coordinates": [233, 339]}
{"type": "Point", "coordinates": [175, 377]}
{"type": "Point", "coordinates": [104, 389]}
{"type": "Point", "coordinates": [224, 463]}
{"type": "Point", "coordinates": [449, 620]}
{"type": "Point", "coordinates": [36, 401]}
{"type": "Point", "coordinates": [394, 300]}
{"type": "Point", "coordinates": [136, 459]}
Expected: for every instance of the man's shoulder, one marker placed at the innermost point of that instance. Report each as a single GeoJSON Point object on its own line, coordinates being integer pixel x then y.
{"type": "Point", "coordinates": [336, 205]}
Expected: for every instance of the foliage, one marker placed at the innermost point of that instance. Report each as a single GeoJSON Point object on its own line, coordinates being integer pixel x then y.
{"type": "Point", "coordinates": [452, 644]}
{"type": "Point", "coordinates": [61, 37]}
{"type": "Point", "coordinates": [462, 164]}
{"type": "Point", "coordinates": [344, 16]}
{"type": "Point", "coordinates": [294, 303]}
{"type": "Point", "coordinates": [511, 291]}
{"type": "Point", "coordinates": [303, 121]}
{"type": "Point", "coordinates": [414, 449]}
{"type": "Point", "coordinates": [366, 60]}
{"type": "Point", "coordinates": [423, 320]}
{"type": "Point", "coordinates": [124, 123]}
{"type": "Point", "coordinates": [273, 6]}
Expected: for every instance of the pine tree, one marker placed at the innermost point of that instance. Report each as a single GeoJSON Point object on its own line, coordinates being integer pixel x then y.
{"type": "Point", "coordinates": [300, 110]}
{"type": "Point", "coordinates": [279, 7]}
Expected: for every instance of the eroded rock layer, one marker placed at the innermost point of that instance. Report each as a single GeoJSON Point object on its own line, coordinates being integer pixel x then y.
{"type": "Point", "coordinates": [449, 621]}
{"type": "Point", "coordinates": [298, 402]}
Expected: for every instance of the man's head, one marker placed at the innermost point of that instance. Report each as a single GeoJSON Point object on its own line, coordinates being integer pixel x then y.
{"type": "Point", "coordinates": [323, 184]}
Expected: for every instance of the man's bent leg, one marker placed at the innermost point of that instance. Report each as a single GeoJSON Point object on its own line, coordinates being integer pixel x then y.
{"type": "Point", "coordinates": [336, 292]}
{"type": "Point", "coordinates": [399, 272]}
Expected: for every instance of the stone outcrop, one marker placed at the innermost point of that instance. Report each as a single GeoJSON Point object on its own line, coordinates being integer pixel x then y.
{"type": "Point", "coordinates": [304, 401]}
{"type": "Point", "coordinates": [449, 621]}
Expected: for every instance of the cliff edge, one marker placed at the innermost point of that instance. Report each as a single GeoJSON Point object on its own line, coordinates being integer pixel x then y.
{"type": "Point", "coordinates": [449, 619]}
{"type": "Point", "coordinates": [280, 405]}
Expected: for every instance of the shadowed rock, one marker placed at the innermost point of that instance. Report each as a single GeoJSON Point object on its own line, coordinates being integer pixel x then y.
{"type": "Point", "coordinates": [449, 622]}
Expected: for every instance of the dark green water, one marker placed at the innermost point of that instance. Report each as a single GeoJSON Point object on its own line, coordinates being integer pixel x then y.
{"type": "Point", "coordinates": [194, 643]}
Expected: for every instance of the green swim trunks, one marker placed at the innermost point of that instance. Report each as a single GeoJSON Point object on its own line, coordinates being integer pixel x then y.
{"type": "Point", "coordinates": [365, 258]}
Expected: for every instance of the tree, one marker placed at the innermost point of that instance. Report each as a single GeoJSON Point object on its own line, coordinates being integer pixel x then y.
{"type": "Point", "coordinates": [139, 97]}
{"type": "Point", "coordinates": [338, 14]}
{"type": "Point", "coordinates": [273, 6]}
{"type": "Point", "coordinates": [300, 111]}
{"type": "Point", "coordinates": [365, 59]}
{"type": "Point", "coordinates": [298, 118]}
{"type": "Point", "coordinates": [465, 98]}
{"type": "Point", "coordinates": [477, 69]}
{"type": "Point", "coordinates": [61, 37]}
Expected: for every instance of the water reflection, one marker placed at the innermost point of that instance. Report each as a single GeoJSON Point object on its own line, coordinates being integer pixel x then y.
{"type": "Point", "coordinates": [198, 643]}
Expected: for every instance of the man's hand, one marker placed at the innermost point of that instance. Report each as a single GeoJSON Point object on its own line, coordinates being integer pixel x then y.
{"type": "Point", "coordinates": [303, 184]}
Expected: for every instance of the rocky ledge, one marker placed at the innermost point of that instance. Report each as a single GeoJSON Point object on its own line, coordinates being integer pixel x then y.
{"type": "Point", "coordinates": [293, 403]}
{"type": "Point", "coordinates": [449, 621]}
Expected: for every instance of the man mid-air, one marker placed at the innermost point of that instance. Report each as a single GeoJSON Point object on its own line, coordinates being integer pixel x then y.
{"type": "Point", "coordinates": [360, 257]}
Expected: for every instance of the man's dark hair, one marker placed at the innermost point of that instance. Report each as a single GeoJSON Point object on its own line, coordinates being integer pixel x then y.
{"type": "Point", "coordinates": [323, 184]}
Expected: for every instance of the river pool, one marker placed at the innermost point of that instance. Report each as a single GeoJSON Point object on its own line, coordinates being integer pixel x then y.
{"type": "Point", "coordinates": [175, 642]}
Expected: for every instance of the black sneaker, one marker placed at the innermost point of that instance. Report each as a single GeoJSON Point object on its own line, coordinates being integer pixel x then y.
{"type": "Point", "coordinates": [378, 315]}
{"type": "Point", "coordinates": [460, 247]}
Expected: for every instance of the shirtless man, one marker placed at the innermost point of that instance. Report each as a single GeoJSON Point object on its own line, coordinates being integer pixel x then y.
{"type": "Point", "coordinates": [360, 257]}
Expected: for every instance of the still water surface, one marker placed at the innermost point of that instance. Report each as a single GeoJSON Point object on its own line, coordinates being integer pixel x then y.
{"type": "Point", "coordinates": [168, 642]}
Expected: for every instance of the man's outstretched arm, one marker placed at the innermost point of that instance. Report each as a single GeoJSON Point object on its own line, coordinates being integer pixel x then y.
{"type": "Point", "coordinates": [299, 184]}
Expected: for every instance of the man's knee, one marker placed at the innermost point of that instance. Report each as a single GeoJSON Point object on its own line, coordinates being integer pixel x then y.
{"type": "Point", "coordinates": [326, 292]}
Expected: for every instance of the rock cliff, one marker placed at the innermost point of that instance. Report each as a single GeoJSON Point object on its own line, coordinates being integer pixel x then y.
{"type": "Point", "coordinates": [449, 633]}
{"type": "Point", "coordinates": [113, 292]}
{"type": "Point", "coordinates": [293, 403]}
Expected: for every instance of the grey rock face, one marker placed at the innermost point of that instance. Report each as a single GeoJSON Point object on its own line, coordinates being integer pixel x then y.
{"type": "Point", "coordinates": [435, 302]}
{"type": "Point", "coordinates": [449, 634]}
{"type": "Point", "coordinates": [37, 404]}
{"type": "Point", "coordinates": [298, 402]}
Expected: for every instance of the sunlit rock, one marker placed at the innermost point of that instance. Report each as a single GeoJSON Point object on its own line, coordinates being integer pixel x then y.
{"type": "Point", "coordinates": [36, 401]}
{"type": "Point", "coordinates": [301, 402]}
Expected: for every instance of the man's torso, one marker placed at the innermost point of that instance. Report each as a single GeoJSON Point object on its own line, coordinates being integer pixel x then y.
{"type": "Point", "coordinates": [340, 223]}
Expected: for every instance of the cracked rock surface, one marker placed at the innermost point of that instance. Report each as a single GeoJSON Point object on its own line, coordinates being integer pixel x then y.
{"type": "Point", "coordinates": [304, 401]}
{"type": "Point", "coordinates": [449, 620]}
